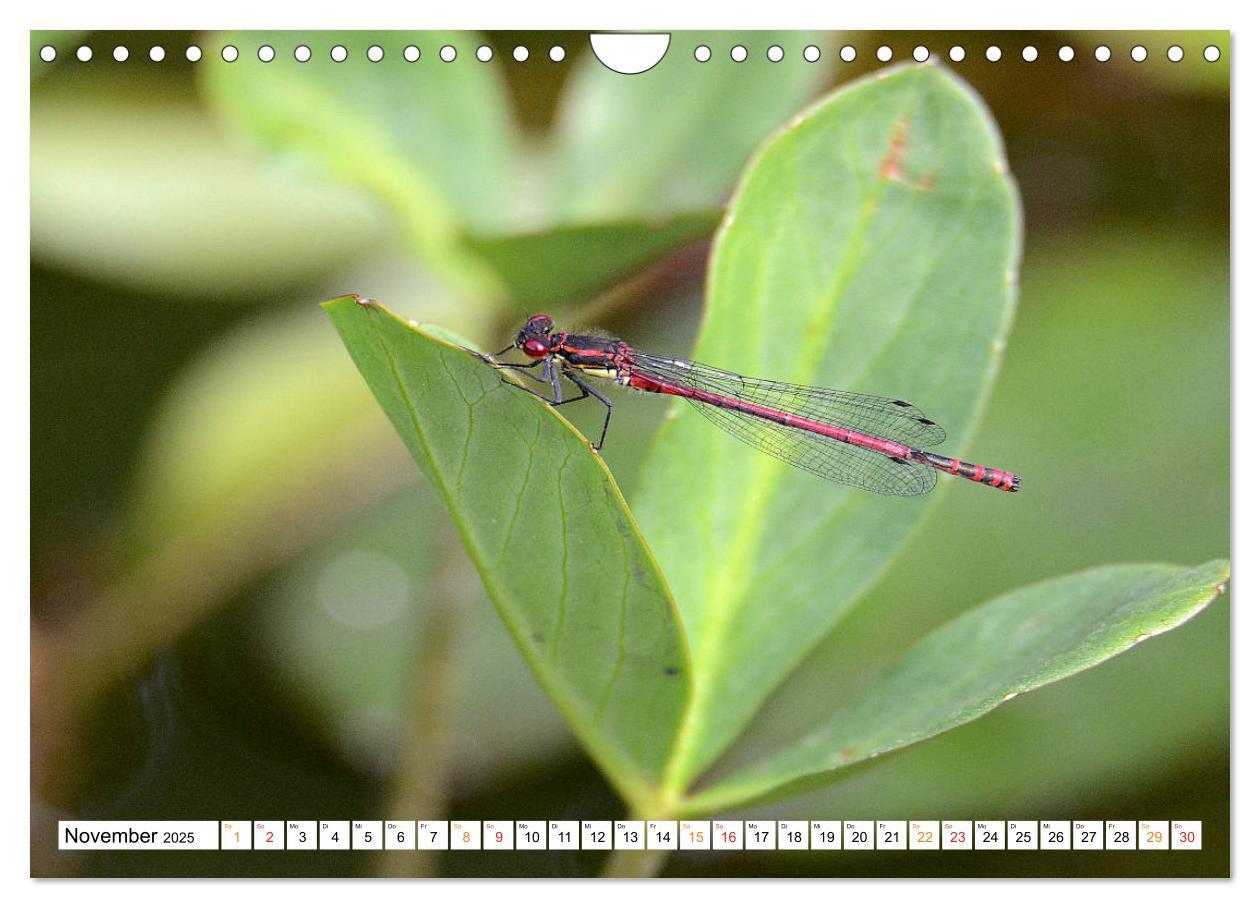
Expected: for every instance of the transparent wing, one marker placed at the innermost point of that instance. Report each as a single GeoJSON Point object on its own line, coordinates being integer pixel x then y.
{"type": "Point", "coordinates": [886, 418]}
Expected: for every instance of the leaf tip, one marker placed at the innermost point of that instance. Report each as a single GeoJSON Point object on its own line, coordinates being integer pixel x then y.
{"type": "Point", "coordinates": [332, 301]}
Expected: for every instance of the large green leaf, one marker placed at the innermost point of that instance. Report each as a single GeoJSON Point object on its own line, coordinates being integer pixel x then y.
{"type": "Point", "coordinates": [1157, 306]}
{"type": "Point", "coordinates": [988, 655]}
{"type": "Point", "coordinates": [871, 247]}
{"type": "Point", "coordinates": [556, 547]}
{"type": "Point", "coordinates": [433, 141]}
{"type": "Point", "coordinates": [619, 149]}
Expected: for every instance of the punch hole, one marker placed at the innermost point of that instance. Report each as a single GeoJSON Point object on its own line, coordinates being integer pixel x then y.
{"type": "Point", "coordinates": [627, 54]}
{"type": "Point", "coordinates": [1138, 53]}
{"type": "Point", "coordinates": [447, 53]}
{"type": "Point", "coordinates": [157, 53]}
{"type": "Point", "coordinates": [229, 53]}
{"type": "Point", "coordinates": [739, 53]}
{"type": "Point", "coordinates": [993, 54]}
{"type": "Point", "coordinates": [884, 54]}
{"type": "Point", "coordinates": [920, 54]}
{"type": "Point", "coordinates": [957, 53]}
{"type": "Point", "coordinates": [302, 53]}
{"type": "Point", "coordinates": [375, 53]}
{"type": "Point", "coordinates": [120, 54]}
{"type": "Point", "coordinates": [703, 54]}
{"type": "Point", "coordinates": [1211, 53]}
{"type": "Point", "coordinates": [48, 53]}
{"type": "Point", "coordinates": [774, 53]}
{"type": "Point", "coordinates": [266, 53]}
{"type": "Point", "coordinates": [83, 54]}
{"type": "Point", "coordinates": [811, 53]}
{"type": "Point", "coordinates": [1030, 54]}
{"type": "Point", "coordinates": [485, 53]}
{"type": "Point", "coordinates": [1066, 54]}
{"type": "Point", "coordinates": [1176, 54]}
{"type": "Point", "coordinates": [556, 54]}
{"type": "Point", "coordinates": [411, 53]}
{"type": "Point", "coordinates": [338, 53]}
{"type": "Point", "coordinates": [1102, 53]}
{"type": "Point", "coordinates": [848, 53]}
{"type": "Point", "coordinates": [193, 53]}
{"type": "Point", "coordinates": [520, 53]}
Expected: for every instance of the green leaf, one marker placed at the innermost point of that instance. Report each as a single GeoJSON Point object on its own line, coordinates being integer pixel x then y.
{"type": "Point", "coordinates": [566, 264]}
{"type": "Point", "coordinates": [870, 247]}
{"type": "Point", "coordinates": [619, 150]}
{"type": "Point", "coordinates": [974, 663]}
{"type": "Point", "coordinates": [434, 142]}
{"type": "Point", "coordinates": [550, 534]}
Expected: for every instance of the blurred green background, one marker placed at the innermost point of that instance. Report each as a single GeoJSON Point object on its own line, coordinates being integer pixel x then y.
{"type": "Point", "coordinates": [244, 597]}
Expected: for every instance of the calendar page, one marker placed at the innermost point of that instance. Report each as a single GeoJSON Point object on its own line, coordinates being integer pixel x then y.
{"type": "Point", "coordinates": [668, 453]}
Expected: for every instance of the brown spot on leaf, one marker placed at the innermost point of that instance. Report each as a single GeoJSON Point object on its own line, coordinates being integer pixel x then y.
{"type": "Point", "coordinates": [890, 168]}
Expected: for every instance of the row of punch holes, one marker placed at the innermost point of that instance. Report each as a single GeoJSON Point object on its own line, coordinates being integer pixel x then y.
{"type": "Point", "coordinates": [702, 54]}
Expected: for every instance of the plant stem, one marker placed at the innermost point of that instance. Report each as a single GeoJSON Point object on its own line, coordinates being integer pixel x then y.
{"type": "Point", "coordinates": [421, 787]}
{"type": "Point", "coordinates": [634, 864]}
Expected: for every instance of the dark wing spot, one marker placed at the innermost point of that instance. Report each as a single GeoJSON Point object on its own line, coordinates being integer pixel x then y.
{"type": "Point", "coordinates": [901, 460]}
{"type": "Point", "coordinates": [926, 422]}
{"type": "Point", "coordinates": [903, 403]}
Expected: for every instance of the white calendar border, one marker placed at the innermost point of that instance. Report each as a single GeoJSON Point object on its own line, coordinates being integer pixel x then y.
{"type": "Point", "coordinates": [908, 14]}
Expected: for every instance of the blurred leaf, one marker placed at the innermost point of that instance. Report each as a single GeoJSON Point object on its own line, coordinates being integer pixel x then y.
{"type": "Point", "coordinates": [343, 626]}
{"type": "Point", "coordinates": [550, 534]}
{"type": "Point", "coordinates": [261, 420]}
{"type": "Point", "coordinates": [1013, 644]}
{"type": "Point", "coordinates": [555, 267]}
{"type": "Point", "coordinates": [143, 192]}
{"type": "Point", "coordinates": [618, 150]}
{"type": "Point", "coordinates": [870, 247]}
{"type": "Point", "coordinates": [433, 141]}
{"type": "Point", "coordinates": [266, 444]}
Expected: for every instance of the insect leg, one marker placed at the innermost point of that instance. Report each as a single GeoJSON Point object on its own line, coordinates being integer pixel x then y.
{"type": "Point", "coordinates": [552, 377]}
{"type": "Point", "coordinates": [587, 389]}
{"type": "Point", "coordinates": [520, 368]}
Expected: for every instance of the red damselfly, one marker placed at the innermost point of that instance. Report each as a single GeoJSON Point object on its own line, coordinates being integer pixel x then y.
{"type": "Point", "coordinates": [873, 443]}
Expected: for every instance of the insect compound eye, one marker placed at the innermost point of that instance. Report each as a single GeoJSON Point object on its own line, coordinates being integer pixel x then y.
{"type": "Point", "coordinates": [538, 323]}
{"type": "Point", "coordinates": [534, 347]}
